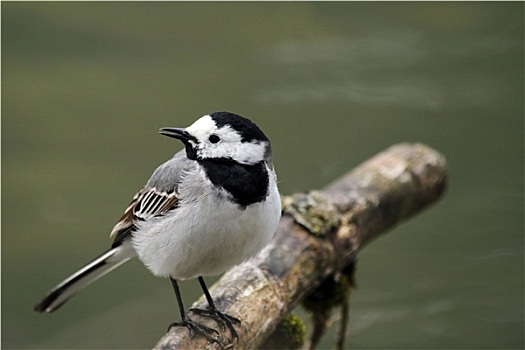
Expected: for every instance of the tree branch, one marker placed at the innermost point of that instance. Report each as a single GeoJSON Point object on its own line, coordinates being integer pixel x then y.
{"type": "Point", "coordinates": [319, 235]}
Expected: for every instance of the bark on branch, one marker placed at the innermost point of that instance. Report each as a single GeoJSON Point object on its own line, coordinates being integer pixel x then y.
{"type": "Point", "coordinates": [320, 234]}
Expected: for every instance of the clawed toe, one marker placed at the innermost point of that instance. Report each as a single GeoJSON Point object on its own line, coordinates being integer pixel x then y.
{"type": "Point", "coordinates": [196, 328]}
{"type": "Point", "coordinates": [220, 317]}
{"type": "Point", "coordinates": [212, 312]}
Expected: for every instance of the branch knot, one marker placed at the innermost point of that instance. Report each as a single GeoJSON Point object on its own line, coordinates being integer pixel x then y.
{"type": "Point", "coordinates": [315, 211]}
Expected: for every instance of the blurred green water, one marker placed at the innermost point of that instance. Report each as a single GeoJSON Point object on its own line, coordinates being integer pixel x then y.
{"type": "Point", "coordinates": [86, 85]}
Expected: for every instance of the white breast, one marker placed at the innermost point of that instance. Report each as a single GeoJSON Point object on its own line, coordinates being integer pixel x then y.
{"type": "Point", "coordinates": [207, 234]}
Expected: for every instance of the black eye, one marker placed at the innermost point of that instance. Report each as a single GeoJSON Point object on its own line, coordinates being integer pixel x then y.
{"type": "Point", "coordinates": [214, 138]}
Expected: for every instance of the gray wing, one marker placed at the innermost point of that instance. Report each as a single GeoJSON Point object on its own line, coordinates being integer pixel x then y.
{"type": "Point", "coordinates": [158, 197]}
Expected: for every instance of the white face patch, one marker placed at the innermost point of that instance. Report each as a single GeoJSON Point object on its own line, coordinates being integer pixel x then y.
{"type": "Point", "coordinates": [251, 152]}
{"type": "Point", "coordinates": [230, 144]}
{"type": "Point", "coordinates": [202, 128]}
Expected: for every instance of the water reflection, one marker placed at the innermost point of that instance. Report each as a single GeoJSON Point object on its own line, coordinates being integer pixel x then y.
{"type": "Point", "coordinates": [358, 92]}
{"type": "Point", "coordinates": [380, 68]}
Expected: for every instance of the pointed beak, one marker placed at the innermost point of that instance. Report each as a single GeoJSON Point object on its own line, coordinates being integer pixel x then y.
{"type": "Point", "coordinates": [177, 133]}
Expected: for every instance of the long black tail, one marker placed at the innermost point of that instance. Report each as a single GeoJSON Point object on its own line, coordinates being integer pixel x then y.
{"type": "Point", "coordinates": [102, 265]}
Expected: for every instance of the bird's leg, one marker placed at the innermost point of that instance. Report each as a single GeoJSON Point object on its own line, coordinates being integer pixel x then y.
{"type": "Point", "coordinates": [211, 311]}
{"type": "Point", "coordinates": [192, 327]}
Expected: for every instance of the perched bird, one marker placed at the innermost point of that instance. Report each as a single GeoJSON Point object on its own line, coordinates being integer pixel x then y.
{"type": "Point", "coordinates": [210, 207]}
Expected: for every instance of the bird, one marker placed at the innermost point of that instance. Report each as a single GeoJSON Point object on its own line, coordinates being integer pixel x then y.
{"type": "Point", "coordinates": [213, 205]}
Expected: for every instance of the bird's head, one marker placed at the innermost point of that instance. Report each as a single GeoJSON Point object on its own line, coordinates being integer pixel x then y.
{"type": "Point", "coordinates": [223, 136]}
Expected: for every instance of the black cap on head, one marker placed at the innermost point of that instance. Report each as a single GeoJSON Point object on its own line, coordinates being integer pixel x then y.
{"type": "Point", "coordinates": [245, 127]}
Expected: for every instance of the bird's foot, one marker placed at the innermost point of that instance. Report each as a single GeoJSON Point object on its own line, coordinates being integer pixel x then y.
{"type": "Point", "coordinates": [196, 328]}
{"type": "Point", "coordinates": [220, 317]}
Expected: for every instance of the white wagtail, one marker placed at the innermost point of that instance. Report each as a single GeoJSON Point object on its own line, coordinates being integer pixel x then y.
{"type": "Point", "coordinates": [205, 210]}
